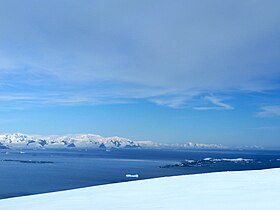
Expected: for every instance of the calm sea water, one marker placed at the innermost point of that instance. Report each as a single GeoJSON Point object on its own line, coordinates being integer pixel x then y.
{"type": "Point", "coordinates": [25, 172]}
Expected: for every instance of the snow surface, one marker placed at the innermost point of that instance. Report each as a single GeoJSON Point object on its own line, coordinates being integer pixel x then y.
{"type": "Point", "coordinates": [250, 190]}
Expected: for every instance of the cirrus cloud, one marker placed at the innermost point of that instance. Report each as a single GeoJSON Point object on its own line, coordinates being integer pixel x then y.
{"type": "Point", "coordinates": [270, 111]}
{"type": "Point", "coordinates": [106, 51]}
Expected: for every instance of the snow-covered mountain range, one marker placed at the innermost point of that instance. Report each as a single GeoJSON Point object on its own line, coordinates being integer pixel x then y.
{"type": "Point", "coordinates": [188, 145]}
{"type": "Point", "coordinates": [19, 140]}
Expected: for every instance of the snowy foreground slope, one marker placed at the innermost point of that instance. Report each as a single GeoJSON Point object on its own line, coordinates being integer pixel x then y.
{"type": "Point", "coordinates": [223, 190]}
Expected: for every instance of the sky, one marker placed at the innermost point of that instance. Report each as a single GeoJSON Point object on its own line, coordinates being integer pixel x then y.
{"type": "Point", "coordinates": [161, 70]}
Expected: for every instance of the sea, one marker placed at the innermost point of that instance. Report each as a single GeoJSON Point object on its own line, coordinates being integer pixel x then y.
{"type": "Point", "coordinates": [28, 172]}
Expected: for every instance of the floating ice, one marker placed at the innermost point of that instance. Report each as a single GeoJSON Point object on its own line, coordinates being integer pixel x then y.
{"type": "Point", "coordinates": [132, 175]}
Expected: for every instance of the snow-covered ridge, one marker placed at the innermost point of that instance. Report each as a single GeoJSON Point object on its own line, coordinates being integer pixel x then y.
{"type": "Point", "coordinates": [19, 140]}
{"type": "Point", "coordinates": [256, 190]}
{"type": "Point", "coordinates": [188, 145]}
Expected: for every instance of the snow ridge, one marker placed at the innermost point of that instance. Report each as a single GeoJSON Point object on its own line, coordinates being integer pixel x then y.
{"type": "Point", "coordinates": [242, 190]}
{"type": "Point", "coordinates": [19, 140]}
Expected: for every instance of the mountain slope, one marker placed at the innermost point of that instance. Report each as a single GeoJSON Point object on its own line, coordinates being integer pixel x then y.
{"type": "Point", "coordinates": [241, 190]}
{"type": "Point", "coordinates": [18, 140]}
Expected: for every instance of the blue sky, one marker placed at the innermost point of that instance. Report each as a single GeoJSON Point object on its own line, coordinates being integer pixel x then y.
{"type": "Point", "coordinates": [168, 71]}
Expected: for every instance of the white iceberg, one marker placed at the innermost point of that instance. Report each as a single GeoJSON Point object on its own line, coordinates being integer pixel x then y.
{"type": "Point", "coordinates": [132, 175]}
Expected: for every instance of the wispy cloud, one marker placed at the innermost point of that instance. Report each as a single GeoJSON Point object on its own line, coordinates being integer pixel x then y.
{"type": "Point", "coordinates": [108, 52]}
{"type": "Point", "coordinates": [172, 102]}
{"type": "Point", "coordinates": [269, 111]}
{"type": "Point", "coordinates": [217, 102]}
